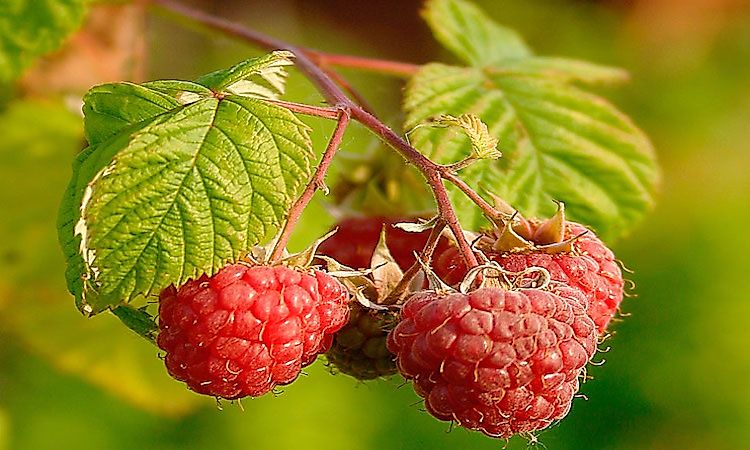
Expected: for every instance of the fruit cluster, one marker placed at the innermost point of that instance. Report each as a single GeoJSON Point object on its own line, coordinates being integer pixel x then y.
{"type": "Point", "coordinates": [501, 353]}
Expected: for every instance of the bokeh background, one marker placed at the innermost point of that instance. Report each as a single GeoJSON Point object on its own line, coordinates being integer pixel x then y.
{"type": "Point", "coordinates": [678, 372]}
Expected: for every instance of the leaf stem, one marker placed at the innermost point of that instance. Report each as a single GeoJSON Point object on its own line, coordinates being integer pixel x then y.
{"type": "Point", "coordinates": [334, 95]}
{"type": "Point", "coordinates": [317, 182]}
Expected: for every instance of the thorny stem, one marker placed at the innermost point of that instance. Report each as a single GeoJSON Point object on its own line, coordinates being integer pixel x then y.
{"type": "Point", "coordinates": [411, 272]}
{"type": "Point", "coordinates": [315, 183]}
{"type": "Point", "coordinates": [332, 93]}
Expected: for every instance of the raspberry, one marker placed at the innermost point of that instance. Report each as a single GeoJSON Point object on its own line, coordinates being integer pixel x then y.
{"type": "Point", "coordinates": [248, 329]}
{"type": "Point", "coordinates": [359, 349]}
{"type": "Point", "coordinates": [589, 267]}
{"type": "Point", "coordinates": [501, 362]}
{"type": "Point", "coordinates": [356, 239]}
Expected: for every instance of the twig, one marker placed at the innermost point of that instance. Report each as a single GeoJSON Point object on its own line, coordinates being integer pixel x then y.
{"type": "Point", "coordinates": [399, 69]}
{"type": "Point", "coordinates": [487, 209]}
{"type": "Point", "coordinates": [318, 111]}
{"type": "Point", "coordinates": [335, 96]}
{"type": "Point", "coordinates": [341, 81]}
{"type": "Point", "coordinates": [315, 183]}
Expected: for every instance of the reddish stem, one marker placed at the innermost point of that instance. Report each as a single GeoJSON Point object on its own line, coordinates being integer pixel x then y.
{"type": "Point", "coordinates": [333, 94]}
{"type": "Point", "coordinates": [315, 183]}
{"type": "Point", "coordinates": [341, 81]}
{"type": "Point", "coordinates": [485, 206]}
{"type": "Point", "coordinates": [399, 69]}
{"type": "Point", "coordinates": [318, 111]}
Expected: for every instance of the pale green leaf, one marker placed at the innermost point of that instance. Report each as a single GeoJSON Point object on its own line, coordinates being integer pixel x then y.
{"type": "Point", "coordinates": [471, 35]}
{"type": "Point", "coordinates": [263, 77]}
{"type": "Point", "coordinates": [32, 28]}
{"type": "Point", "coordinates": [484, 145]}
{"type": "Point", "coordinates": [563, 69]}
{"type": "Point", "coordinates": [559, 143]}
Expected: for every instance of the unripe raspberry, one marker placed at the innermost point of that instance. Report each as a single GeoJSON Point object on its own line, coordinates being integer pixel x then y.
{"type": "Point", "coordinates": [248, 329]}
{"type": "Point", "coordinates": [359, 349]}
{"type": "Point", "coordinates": [501, 362]}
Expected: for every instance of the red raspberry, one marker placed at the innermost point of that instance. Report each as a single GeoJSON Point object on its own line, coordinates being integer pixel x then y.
{"type": "Point", "coordinates": [501, 362]}
{"type": "Point", "coordinates": [590, 267]}
{"type": "Point", "coordinates": [356, 239]}
{"type": "Point", "coordinates": [248, 329]}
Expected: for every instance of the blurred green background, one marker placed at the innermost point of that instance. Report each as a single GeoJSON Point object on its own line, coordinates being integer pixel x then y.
{"type": "Point", "coordinates": [678, 372]}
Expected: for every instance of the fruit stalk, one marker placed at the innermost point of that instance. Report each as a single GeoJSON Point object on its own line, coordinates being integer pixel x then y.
{"type": "Point", "coordinates": [315, 183]}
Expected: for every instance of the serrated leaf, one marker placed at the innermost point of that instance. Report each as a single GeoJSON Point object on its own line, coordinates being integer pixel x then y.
{"type": "Point", "coordinates": [185, 194]}
{"type": "Point", "coordinates": [32, 28]}
{"type": "Point", "coordinates": [262, 77]}
{"type": "Point", "coordinates": [110, 108]}
{"type": "Point", "coordinates": [563, 69]}
{"type": "Point", "coordinates": [466, 30]}
{"type": "Point", "coordinates": [560, 143]}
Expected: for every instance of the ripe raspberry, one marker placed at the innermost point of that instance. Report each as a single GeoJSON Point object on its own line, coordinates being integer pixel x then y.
{"type": "Point", "coordinates": [501, 362]}
{"type": "Point", "coordinates": [356, 239]}
{"type": "Point", "coordinates": [590, 267]}
{"type": "Point", "coordinates": [248, 329]}
{"type": "Point", "coordinates": [359, 349]}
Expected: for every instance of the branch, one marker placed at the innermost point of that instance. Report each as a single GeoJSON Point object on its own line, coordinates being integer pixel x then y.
{"type": "Point", "coordinates": [399, 69]}
{"type": "Point", "coordinates": [300, 108]}
{"type": "Point", "coordinates": [333, 94]}
{"type": "Point", "coordinates": [315, 183]}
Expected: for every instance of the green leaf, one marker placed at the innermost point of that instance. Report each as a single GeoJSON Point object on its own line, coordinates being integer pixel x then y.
{"type": "Point", "coordinates": [262, 77]}
{"type": "Point", "coordinates": [32, 28]}
{"type": "Point", "coordinates": [466, 30]}
{"type": "Point", "coordinates": [178, 182]}
{"type": "Point", "coordinates": [559, 143]}
{"type": "Point", "coordinates": [110, 108]}
{"type": "Point", "coordinates": [563, 69]}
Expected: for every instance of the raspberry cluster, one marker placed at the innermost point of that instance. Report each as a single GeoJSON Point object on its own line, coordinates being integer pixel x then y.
{"type": "Point", "coordinates": [248, 329]}
{"type": "Point", "coordinates": [501, 362]}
